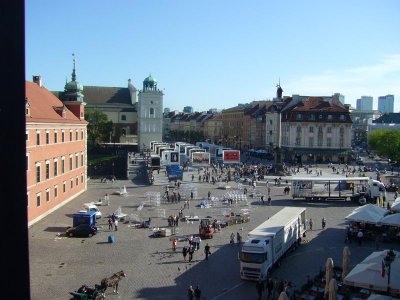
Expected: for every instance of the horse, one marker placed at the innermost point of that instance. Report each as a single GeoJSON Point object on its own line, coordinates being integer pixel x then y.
{"type": "Point", "coordinates": [113, 281]}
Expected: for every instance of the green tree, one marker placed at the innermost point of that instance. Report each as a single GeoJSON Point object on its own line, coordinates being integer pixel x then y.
{"type": "Point", "coordinates": [385, 143]}
{"type": "Point", "coordinates": [99, 128]}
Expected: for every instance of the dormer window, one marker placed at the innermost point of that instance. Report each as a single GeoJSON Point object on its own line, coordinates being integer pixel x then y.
{"type": "Point", "coordinates": [299, 117]}
{"type": "Point", "coordinates": [27, 108]}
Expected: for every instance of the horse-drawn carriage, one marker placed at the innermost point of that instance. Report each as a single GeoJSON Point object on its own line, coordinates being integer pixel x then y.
{"type": "Point", "coordinates": [99, 291]}
{"type": "Point", "coordinates": [86, 293]}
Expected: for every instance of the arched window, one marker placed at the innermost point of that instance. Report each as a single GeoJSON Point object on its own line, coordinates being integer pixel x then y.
{"type": "Point", "coordinates": [151, 111]}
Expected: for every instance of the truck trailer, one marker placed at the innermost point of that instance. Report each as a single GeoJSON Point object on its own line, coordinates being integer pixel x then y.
{"type": "Point", "coordinates": [268, 242]}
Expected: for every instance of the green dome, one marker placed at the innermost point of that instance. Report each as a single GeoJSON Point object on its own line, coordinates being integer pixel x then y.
{"type": "Point", "coordinates": [73, 86]}
{"type": "Point", "coordinates": [150, 79]}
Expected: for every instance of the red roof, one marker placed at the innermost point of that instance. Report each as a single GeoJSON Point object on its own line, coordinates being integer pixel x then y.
{"type": "Point", "coordinates": [318, 104]}
{"type": "Point", "coordinates": [43, 106]}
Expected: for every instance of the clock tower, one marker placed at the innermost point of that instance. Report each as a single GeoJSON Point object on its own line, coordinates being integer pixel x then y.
{"type": "Point", "coordinates": [150, 113]}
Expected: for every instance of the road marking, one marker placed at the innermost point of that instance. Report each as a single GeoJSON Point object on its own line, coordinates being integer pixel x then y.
{"type": "Point", "coordinates": [227, 291]}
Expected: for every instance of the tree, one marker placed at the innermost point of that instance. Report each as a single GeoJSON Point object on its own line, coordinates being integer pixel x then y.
{"type": "Point", "coordinates": [386, 143]}
{"type": "Point", "coordinates": [99, 128]}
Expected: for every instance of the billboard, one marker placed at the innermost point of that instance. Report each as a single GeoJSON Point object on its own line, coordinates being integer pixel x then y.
{"type": "Point", "coordinates": [174, 158]}
{"type": "Point", "coordinates": [200, 159]}
{"type": "Point", "coordinates": [231, 156]}
{"type": "Point", "coordinates": [191, 151]}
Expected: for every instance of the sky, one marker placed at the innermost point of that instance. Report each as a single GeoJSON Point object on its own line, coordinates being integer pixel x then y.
{"type": "Point", "coordinates": [217, 54]}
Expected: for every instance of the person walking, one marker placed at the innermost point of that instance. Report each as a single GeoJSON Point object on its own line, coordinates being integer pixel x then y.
{"type": "Point", "coordinates": [259, 288]}
{"type": "Point", "coordinates": [191, 251]}
{"type": "Point", "coordinates": [270, 287]}
{"type": "Point", "coordinates": [323, 223]}
{"type": "Point", "coordinates": [232, 239]}
{"type": "Point", "coordinates": [207, 251]}
{"type": "Point", "coordinates": [174, 242]}
{"type": "Point", "coordinates": [184, 252]}
{"type": "Point", "coordinates": [269, 200]}
{"type": "Point", "coordinates": [197, 293]}
{"type": "Point", "coordinates": [310, 223]}
{"type": "Point", "coordinates": [238, 238]}
{"type": "Point", "coordinates": [209, 195]}
{"type": "Point", "coordinates": [190, 293]}
{"type": "Point", "coordinates": [116, 225]}
{"type": "Point", "coordinates": [110, 224]}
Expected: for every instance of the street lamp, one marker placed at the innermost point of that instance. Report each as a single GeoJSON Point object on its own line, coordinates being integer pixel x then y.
{"type": "Point", "coordinates": [389, 258]}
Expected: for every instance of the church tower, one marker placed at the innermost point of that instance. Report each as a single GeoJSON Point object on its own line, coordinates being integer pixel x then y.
{"type": "Point", "coordinates": [73, 97]}
{"type": "Point", "coordinates": [150, 113]}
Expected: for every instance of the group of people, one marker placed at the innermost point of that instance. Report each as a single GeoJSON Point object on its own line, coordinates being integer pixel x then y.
{"type": "Point", "coordinates": [274, 287]}
{"type": "Point", "coordinates": [113, 222]}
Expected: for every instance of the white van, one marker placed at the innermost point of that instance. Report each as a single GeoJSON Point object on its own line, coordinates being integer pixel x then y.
{"type": "Point", "coordinates": [92, 207]}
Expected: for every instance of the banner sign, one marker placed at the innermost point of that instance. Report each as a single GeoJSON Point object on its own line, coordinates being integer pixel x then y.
{"type": "Point", "coordinates": [231, 156]}
{"type": "Point", "coordinates": [200, 159]}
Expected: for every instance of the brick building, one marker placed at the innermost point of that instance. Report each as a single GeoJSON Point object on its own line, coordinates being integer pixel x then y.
{"type": "Point", "coordinates": [56, 156]}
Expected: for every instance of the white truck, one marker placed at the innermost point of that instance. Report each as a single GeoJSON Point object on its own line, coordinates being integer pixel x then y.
{"type": "Point", "coordinates": [268, 242]}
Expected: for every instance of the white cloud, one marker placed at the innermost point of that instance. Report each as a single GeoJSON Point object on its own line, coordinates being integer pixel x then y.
{"type": "Point", "coordinates": [374, 80]}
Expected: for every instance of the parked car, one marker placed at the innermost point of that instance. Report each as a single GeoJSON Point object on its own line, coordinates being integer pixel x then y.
{"type": "Point", "coordinates": [92, 207]}
{"type": "Point", "coordinates": [82, 230]}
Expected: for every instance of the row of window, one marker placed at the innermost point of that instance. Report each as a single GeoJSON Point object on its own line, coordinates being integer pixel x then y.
{"type": "Point", "coordinates": [55, 137]}
{"type": "Point", "coordinates": [57, 170]}
{"type": "Point", "coordinates": [311, 141]}
{"type": "Point", "coordinates": [47, 193]}
{"type": "Point", "coordinates": [319, 117]}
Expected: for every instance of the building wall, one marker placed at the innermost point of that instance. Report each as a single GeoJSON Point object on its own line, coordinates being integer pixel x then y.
{"type": "Point", "coordinates": [49, 153]}
{"type": "Point", "coordinates": [386, 104]}
{"type": "Point", "coordinates": [150, 126]}
{"type": "Point", "coordinates": [365, 103]}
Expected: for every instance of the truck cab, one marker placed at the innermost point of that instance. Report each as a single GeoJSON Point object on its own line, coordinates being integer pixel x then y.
{"type": "Point", "coordinates": [254, 259]}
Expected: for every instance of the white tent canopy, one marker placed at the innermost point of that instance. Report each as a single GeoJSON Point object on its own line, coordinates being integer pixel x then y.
{"type": "Point", "coordinates": [368, 213]}
{"type": "Point", "coordinates": [368, 274]}
{"type": "Point", "coordinates": [392, 220]}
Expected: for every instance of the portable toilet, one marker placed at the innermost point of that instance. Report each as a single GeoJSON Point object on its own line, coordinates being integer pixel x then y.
{"type": "Point", "coordinates": [84, 217]}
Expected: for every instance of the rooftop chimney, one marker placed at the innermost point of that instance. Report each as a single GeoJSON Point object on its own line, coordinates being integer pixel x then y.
{"type": "Point", "coordinates": [37, 80]}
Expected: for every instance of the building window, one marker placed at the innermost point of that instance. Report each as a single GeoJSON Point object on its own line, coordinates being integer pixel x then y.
{"type": "Point", "coordinates": [311, 141]}
{"type": "Point", "coordinates": [328, 142]}
{"type": "Point", "coordinates": [82, 135]}
{"type": "Point", "coordinates": [270, 122]}
{"type": "Point", "coordinates": [341, 117]}
{"type": "Point", "coordinates": [299, 129]}
{"type": "Point", "coordinates": [76, 135]}
{"type": "Point", "coordinates": [70, 162]}
{"type": "Point", "coordinates": [151, 111]}
{"type": "Point", "coordinates": [123, 117]}
{"type": "Point", "coordinates": [64, 186]}
{"type": "Point", "coordinates": [55, 191]}
{"type": "Point", "coordinates": [70, 135]}
{"type": "Point", "coordinates": [37, 137]}
{"type": "Point", "coordinates": [81, 178]}
{"type": "Point", "coordinates": [81, 160]}
{"type": "Point", "coordinates": [47, 195]}
{"type": "Point", "coordinates": [299, 116]}
{"type": "Point", "coordinates": [47, 169]}
{"type": "Point", "coordinates": [55, 137]}
{"type": "Point", "coordinates": [77, 181]}
{"type": "Point", "coordinates": [330, 117]}
{"type": "Point", "coordinates": [63, 165]}
{"type": "Point", "coordinates": [311, 130]}
{"type": "Point", "coordinates": [320, 117]}
{"type": "Point", "coordinates": [63, 136]}
{"type": "Point", "coordinates": [329, 130]}
{"type": "Point", "coordinates": [72, 183]}
{"type": "Point", "coordinates": [298, 140]}
{"type": "Point", "coordinates": [47, 137]}
{"type": "Point", "coordinates": [312, 117]}
{"type": "Point", "coordinates": [27, 135]}
{"type": "Point", "coordinates": [76, 161]}
{"type": "Point", "coordinates": [55, 167]}
{"type": "Point", "coordinates": [38, 199]}
{"type": "Point", "coordinates": [38, 172]}
{"type": "Point", "coordinates": [27, 161]}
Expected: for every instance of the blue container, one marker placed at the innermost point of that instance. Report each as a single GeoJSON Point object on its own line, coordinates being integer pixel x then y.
{"type": "Point", "coordinates": [111, 238]}
{"type": "Point", "coordinates": [87, 217]}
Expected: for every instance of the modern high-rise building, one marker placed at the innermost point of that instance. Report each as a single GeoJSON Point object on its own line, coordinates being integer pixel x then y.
{"type": "Point", "coordinates": [386, 104]}
{"type": "Point", "coordinates": [188, 109]}
{"type": "Point", "coordinates": [365, 103]}
{"type": "Point", "coordinates": [340, 97]}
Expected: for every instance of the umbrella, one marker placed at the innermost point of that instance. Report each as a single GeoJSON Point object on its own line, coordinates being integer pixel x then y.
{"type": "Point", "coordinates": [345, 262]}
{"type": "Point", "coordinates": [283, 296]}
{"type": "Point", "coordinates": [391, 220]}
{"type": "Point", "coordinates": [368, 274]}
{"type": "Point", "coordinates": [332, 289]}
{"type": "Point", "coordinates": [395, 206]}
{"type": "Point", "coordinates": [328, 273]}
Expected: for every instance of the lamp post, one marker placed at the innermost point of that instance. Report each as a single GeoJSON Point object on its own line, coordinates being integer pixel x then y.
{"type": "Point", "coordinates": [389, 258]}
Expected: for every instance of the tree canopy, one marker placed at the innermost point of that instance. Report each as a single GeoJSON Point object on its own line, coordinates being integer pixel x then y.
{"type": "Point", "coordinates": [386, 143]}
{"type": "Point", "coordinates": [99, 128]}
